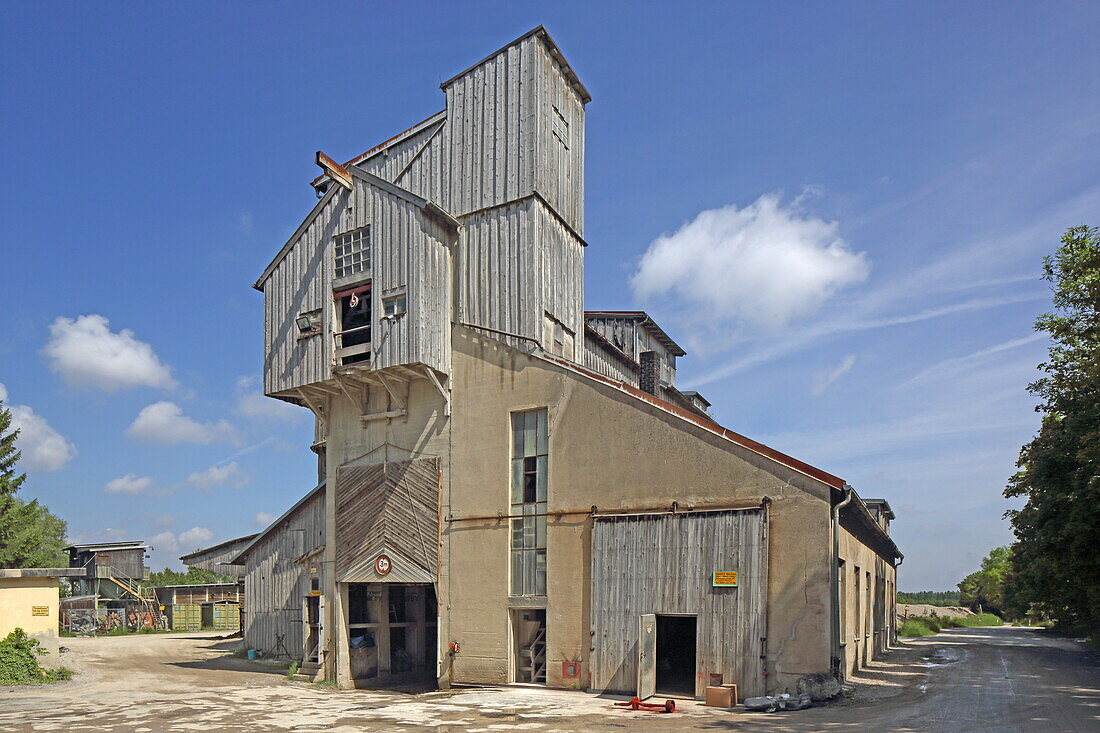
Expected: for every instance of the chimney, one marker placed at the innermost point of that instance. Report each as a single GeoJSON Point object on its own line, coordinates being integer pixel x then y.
{"type": "Point", "coordinates": [649, 373]}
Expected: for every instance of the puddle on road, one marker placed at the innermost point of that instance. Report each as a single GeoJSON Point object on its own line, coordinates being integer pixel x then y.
{"type": "Point", "coordinates": [941, 657]}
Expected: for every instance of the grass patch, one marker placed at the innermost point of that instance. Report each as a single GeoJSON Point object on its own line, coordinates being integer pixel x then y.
{"type": "Point", "coordinates": [19, 662]}
{"type": "Point", "coordinates": [327, 684]}
{"type": "Point", "coordinates": [292, 670]}
{"type": "Point", "coordinates": [981, 619]}
{"type": "Point", "coordinates": [916, 627]}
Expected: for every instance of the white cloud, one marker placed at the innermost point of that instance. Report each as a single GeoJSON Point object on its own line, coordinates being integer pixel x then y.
{"type": "Point", "coordinates": [824, 380]}
{"type": "Point", "coordinates": [165, 542]}
{"type": "Point", "coordinates": [215, 476]}
{"type": "Point", "coordinates": [130, 484]}
{"type": "Point", "coordinates": [764, 265]}
{"type": "Point", "coordinates": [195, 538]}
{"type": "Point", "coordinates": [164, 423]}
{"type": "Point", "coordinates": [254, 405]}
{"type": "Point", "coordinates": [43, 448]}
{"type": "Point", "coordinates": [263, 519]}
{"type": "Point", "coordinates": [86, 353]}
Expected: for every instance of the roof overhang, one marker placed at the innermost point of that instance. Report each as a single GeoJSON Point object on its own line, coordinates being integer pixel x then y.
{"type": "Point", "coordinates": [647, 323]}
{"type": "Point", "coordinates": [215, 548]}
{"type": "Point", "coordinates": [555, 53]}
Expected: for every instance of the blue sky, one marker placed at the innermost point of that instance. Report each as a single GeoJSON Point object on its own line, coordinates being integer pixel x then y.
{"type": "Point", "coordinates": [839, 210]}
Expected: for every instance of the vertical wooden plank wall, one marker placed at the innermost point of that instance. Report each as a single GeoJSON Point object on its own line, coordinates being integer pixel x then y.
{"type": "Point", "coordinates": [662, 564]}
{"type": "Point", "coordinates": [275, 583]}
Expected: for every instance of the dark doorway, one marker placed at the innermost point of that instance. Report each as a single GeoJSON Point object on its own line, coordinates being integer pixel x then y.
{"type": "Point", "coordinates": [392, 634]}
{"type": "Point", "coordinates": [313, 629]}
{"type": "Point", "coordinates": [676, 655]}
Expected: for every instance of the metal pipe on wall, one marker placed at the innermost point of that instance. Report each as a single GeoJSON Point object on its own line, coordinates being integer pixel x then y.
{"type": "Point", "coordinates": [834, 575]}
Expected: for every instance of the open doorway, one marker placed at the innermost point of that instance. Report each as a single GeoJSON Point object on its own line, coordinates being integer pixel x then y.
{"type": "Point", "coordinates": [676, 655]}
{"type": "Point", "coordinates": [313, 630]}
{"type": "Point", "coordinates": [529, 641]}
{"type": "Point", "coordinates": [392, 634]}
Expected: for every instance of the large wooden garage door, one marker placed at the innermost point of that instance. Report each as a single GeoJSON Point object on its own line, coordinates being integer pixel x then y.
{"type": "Point", "coordinates": [664, 564]}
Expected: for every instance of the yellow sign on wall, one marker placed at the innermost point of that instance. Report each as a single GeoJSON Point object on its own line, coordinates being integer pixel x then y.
{"type": "Point", "coordinates": [40, 610]}
{"type": "Point", "coordinates": [724, 579]}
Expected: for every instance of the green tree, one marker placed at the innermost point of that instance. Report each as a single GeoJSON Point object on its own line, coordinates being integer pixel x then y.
{"type": "Point", "coordinates": [1055, 569]}
{"type": "Point", "coordinates": [193, 576]}
{"type": "Point", "coordinates": [30, 536]}
{"type": "Point", "coordinates": [983, 590]}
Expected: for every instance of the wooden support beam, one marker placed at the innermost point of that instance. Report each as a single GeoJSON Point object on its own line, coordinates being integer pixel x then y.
{"type": "Point", "coordinates": [388, 415]}
{"type": "Point", "coordinates": [445, 393]}
{"type": "Point", "coordinates": [397, 398]}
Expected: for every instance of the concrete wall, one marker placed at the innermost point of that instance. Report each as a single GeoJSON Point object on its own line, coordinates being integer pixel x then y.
{"type": "Point", "coordinates": [609, 449]}
{"type": "Point", "coordinates": [18, 596]}
{"type": "Point", "coordinates": [867, 634]}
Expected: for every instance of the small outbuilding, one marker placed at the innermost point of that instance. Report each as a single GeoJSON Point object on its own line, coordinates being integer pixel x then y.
{"type": "Point", "coordinates": [29, 600]}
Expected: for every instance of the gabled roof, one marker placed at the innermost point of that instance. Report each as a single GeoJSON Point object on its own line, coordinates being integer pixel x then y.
{"type": "Point", "coordinates": [108, 546]}
{"type": "Point", "coordinates": [258, 538]}
{"type": "Point", "coordinates": [416, 129]}
{"type": "Point", "coordinates": [647, 323]}
{"type": "Point", "coordinates": [429, 207]}
{"type": "Point", "coordinates": [555, 53]}
{"type": "Point", "coordinates": [214, 548]}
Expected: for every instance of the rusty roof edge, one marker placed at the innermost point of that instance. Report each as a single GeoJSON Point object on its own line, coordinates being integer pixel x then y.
{"type": "Point", "coordinates": [437, 118]}
{"type": "Point", "coordinates": [709, 425]}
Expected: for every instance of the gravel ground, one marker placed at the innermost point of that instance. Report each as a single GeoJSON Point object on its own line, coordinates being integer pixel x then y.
{"type": "Point", "coordinates": [1001, 679]}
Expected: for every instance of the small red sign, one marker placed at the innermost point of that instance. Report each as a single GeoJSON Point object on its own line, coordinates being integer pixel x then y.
{"type": "Point", "coordinates": [382, 565]}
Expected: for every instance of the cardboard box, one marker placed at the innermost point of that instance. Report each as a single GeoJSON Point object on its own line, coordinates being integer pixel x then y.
{"type": "Point", "coordinates": [721, 696]}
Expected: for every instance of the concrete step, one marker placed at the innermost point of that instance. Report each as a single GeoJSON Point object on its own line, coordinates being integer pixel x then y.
{"type": "Point", "coordinates": [303, 677]}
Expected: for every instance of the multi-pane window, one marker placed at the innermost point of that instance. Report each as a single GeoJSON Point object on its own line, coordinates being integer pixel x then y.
{"type": "Point", "coordinates": [352, 251]}
{"type": "Point", "coordinates": [530, 441]}
{"type": "Point", "coordinates": [394, 306]}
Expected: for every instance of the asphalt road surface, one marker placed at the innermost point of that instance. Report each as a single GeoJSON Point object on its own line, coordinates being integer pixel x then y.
{"type": "Point", "coordinates": [990, 679]}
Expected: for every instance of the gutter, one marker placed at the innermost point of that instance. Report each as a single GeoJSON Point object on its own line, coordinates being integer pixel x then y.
{"type": "Point", "coordinates": [834, 586]}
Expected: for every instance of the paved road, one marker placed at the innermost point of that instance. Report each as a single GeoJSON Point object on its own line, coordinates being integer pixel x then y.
{"type": "Point", "coordinates": [998, 679]}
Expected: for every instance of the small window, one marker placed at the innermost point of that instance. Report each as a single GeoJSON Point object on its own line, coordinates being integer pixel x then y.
{"type": "Point", "coordinates": [394, 306]}
{"type": "Point", "coordinates": [561, 127]}
{"type": "Point", "coordinates": [352, 252]}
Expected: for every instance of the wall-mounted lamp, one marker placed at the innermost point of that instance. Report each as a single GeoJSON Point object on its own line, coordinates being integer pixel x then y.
{"type": "Point", "coordinates": [305, 323]}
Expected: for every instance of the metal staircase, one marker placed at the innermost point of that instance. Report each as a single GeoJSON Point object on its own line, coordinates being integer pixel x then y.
{"type": "Point", "coordinates": [532, 663]}
{"type": "Point", "coordinates": [151, 604]}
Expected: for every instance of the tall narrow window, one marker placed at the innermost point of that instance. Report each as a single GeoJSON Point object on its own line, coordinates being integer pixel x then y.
{"type": "Point", "coordinates": [530, 440]}
{"type": "Point", "coordinates": [352, 252]}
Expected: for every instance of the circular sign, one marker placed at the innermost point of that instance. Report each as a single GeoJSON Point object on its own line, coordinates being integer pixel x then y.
{"type": "Point", "coordinates": [382, 565]}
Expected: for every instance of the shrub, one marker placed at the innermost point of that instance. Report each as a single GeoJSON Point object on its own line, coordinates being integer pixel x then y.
{"type": "Point", "coordinates": [293, 670]}
{"type": "Point", "coordinates": [19, 661]}
{"type": "Point", "coordinates": [915, 626]}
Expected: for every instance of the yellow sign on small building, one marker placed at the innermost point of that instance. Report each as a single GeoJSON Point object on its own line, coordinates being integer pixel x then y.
{"type": "Point", "coordinates": [724, 579]}
{"type": "Point", "coordinates": [40, 610]}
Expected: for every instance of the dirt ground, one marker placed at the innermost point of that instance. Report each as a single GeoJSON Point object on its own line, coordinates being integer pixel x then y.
{"type": "Point", "coordinates": [1000, 679]}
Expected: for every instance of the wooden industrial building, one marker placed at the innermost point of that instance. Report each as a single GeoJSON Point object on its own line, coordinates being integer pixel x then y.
{"type": "Point", "coordinates": [512, 489]}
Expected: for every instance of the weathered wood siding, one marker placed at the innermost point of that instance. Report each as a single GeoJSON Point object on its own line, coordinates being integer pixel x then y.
{"type": "Point", "coordinates": [501, 134]}
{"type": "Point", "coordinates": [662, 564]}
{"type": "Point", "coordinates": [599, 357]}
{"type": "Point", "coordinates": [388, 508]}
{"type": "Point", "coordinates": [216, 559]}
{"type": "Point", "coordinates": [415, 163]}
{"type": "Point", "coordinates": [559, 164]}
{"type": "Point", "coordinates": [517, 264]}
{"type": "Point", "coordinates": [275, 583]}
{"type": "Point", "coordinates": [409, 249]}
{"type": "Point", "coordinates": [299, 284]}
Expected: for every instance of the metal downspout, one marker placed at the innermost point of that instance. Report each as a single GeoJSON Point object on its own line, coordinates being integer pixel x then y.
{"type": "Point", "coordinates": [834, 574]}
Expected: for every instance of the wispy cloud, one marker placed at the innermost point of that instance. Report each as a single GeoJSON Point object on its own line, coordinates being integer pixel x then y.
{"type": "Point", "coordinates": [824, 380]}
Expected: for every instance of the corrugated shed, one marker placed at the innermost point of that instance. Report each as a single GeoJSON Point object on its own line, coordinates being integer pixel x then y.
{"type": "Point", "coordinates": [275, 584]}
{"type": "Point", "coordinates": [662, 564]}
